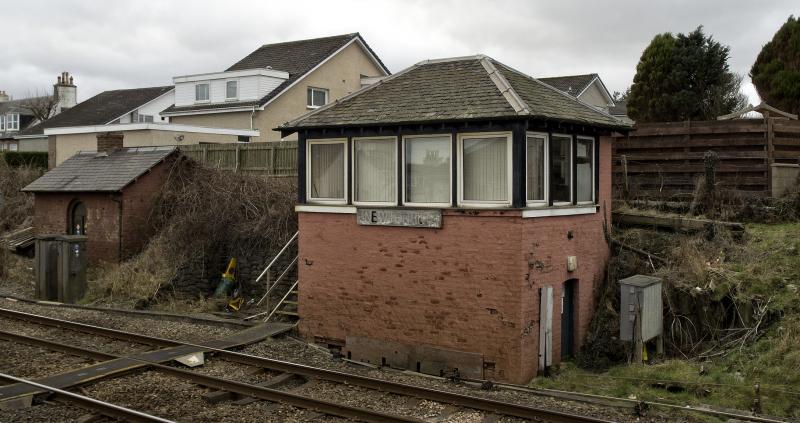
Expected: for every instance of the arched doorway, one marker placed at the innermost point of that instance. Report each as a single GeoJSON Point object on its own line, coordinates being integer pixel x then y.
{"type": "Point", "coordinates": [77, 218]}
{"type": "Point", "coordinates": [568, 303]}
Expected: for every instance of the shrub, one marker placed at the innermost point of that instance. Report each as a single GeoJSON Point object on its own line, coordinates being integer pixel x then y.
{"type": "Point", "coordinates": [26, 158]}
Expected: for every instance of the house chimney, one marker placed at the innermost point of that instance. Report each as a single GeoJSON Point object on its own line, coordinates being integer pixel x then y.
{"type": "Point", "coordinates": [4, 96]}
{"type": "Point", "coordinates": [107, 142]}
{"type": "Point", "coordinates": [65, 92]}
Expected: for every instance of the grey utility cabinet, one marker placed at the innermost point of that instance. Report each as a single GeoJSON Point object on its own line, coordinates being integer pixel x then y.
{"type": "Point", "coordinates": [61, 267]}
{"type": "Point", "coordinates": [646, 291]}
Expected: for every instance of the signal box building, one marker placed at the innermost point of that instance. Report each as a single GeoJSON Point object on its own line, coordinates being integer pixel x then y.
{"type": "Point", "coordinates": [452, 216]}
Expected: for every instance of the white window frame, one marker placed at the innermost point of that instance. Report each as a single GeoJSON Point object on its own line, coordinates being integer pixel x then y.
{"type": "Point", "coordinates": [546, 164]}
{"type": "Point", "coordinates": [11, 123]}
{"type": "Point", "coordinates": [143, 118]}
{"type": "Point", "coordinates": [594, 157]}
{"type": "Point", "coordinates": [449, 173]}
{"type": "Point", "coordinates": [2, 122]}
{"type": "Point", "coordinates": [236, 97]}
{"type": "Point", "coordinates": [208, 91]}
{"type": "Point", "coordinates": [571, 173]}
{"type": "Point", "coordinates": [336, 201]}
{"type": "Point", "coordinates": [509, 166]}
{"type": "Point", "coordinates": [324, 90]}
{"type": "Point", "coordinates": [355, 165]}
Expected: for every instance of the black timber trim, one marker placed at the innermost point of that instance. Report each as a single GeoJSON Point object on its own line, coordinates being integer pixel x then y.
{"type": "Point", "coordinates": [454, 167]}
{"type": "Point", "coordinates": [349, 176]}
{"type": "Point", "coordinates": [574, 169]}
{"type": "Point", "coordinates": [518, 139]}
{"type": "Point", "coordinates": [400, 183]}
{"type": "Point", "coordinates": [301, 167]}
{"type": "Point", "coordinates": [548, 167]}
{"type": "Point", "coordinates": [596, 164]}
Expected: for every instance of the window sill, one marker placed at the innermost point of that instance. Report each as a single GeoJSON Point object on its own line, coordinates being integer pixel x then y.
{"type": "Point", "coordinates": [322, 208]}
{"type": "Point", "coordinates": [560, 211]}
{"type": "Point", "coordinates": [313, 107]}
{"type": "Point", "coordinates": [526, 212]}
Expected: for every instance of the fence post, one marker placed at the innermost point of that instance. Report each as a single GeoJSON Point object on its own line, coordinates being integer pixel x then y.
{"type": "Point", "coordinates": [236, 162]}
{"type": "Point", "coordinates": [204, 151]}
{"type": "Point", "coordinates": [710, 160]}
{"type": "Point", "coordinates": [770, 151]}
{"type": "Point", "coordinates": [625, 191]}
{"type": "Point", "coordinates": [273, 165]}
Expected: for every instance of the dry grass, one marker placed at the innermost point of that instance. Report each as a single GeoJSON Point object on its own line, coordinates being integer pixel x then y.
{"type": "Point", "coordinates": [202, 217]}
{"type": "Point", "coordinates": [134, 281]}
{"type": "Point", "coordinates": [17, 208]}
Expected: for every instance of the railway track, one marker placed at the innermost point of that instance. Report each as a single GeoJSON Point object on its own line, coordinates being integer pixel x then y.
{"type": "Point", "coordinates": [106, 408]}
{"type": "Point", "coordinates": [460, 400]}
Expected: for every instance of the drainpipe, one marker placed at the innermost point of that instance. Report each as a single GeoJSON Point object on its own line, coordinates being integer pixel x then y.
{"type": "Point", "coordinates": [252, 114]}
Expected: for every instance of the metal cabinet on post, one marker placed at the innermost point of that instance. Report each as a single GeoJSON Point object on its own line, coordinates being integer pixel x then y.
{"type": "Point", "coordinates": [641, 315]}
{"type": "Point", "coordinates": [61, 267]}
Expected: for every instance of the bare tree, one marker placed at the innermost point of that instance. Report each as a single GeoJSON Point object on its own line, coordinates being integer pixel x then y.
{"type": "Point", "coordinates": [41, 106]}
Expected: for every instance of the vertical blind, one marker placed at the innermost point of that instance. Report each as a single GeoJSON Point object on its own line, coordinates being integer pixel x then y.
{"type": "Point", "coordinates": [427, 169]}
{"type": "Point", "coordinates": [375, 172]}
{"type": "Point", "coordinates": [535, 168]}
{"type": "Point", "coordinates": [327, 171]}
{"type": "Point", "coordinates": [485, 162]}
{"type": "Point", "coordinates": [560, 168]}
{"type": "Point", "coordinates": [585, 172]}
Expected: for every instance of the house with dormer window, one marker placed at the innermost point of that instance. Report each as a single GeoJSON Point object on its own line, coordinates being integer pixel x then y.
{"type": "Point", "coordinates": [276, 83]}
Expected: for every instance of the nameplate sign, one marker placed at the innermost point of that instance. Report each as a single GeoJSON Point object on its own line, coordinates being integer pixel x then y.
{"type": "Point", "coordinates": [400, 217]}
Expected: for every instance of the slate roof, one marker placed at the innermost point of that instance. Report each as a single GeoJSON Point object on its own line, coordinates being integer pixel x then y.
{"type": "Point", "coordinates": [571, 84]}
{"type": "Point", "coordinates": [465, 88]}
{"type": "Point", "coordinates": [16, 106]}
{"type": "Point", "coordinates": [620, 108]}
{"type": "Point", "coordinates": [88, 171]}
{"type": "Point", "coordinates": [295, 57]}
{"type": "Point", "coordinates": [100, 109]}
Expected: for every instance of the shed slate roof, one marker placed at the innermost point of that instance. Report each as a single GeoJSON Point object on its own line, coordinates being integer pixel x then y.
{"type": "Point", "coordinates": [100, 109]}
{"type": "Point", "coordinates": [465, 88]}
{"type": "Point", "coordinates": [295, 57]}
{"type": "Point", "coordinates": [88, 171]}
{"type": "Point", "coordinates": [571, 84]}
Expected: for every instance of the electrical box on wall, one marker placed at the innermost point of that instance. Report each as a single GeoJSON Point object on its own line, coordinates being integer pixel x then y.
{"type": "Point", "coordinates": [572, 263]}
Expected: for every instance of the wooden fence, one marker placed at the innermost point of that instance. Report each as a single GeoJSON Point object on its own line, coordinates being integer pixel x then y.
{"type": "Point", "coordinates": [664, 160]}
{"type": "Point", "coordinates": [262, 158]}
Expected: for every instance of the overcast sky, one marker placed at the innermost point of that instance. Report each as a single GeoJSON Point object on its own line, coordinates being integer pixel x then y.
{"type": "Point", "coordinates": [114, 44]}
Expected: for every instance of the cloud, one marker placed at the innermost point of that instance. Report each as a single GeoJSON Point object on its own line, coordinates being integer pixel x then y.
{"type": "Point", "coordinates": [123, 45]}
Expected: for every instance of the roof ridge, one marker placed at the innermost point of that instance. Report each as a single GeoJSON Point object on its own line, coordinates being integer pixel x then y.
{"type": "Point", "coordinates": [570, 76]}
{"type": "Point", "coordinates": [351, 34]}
{"type": "Point", "coordinates": [575, 99]}
{"type": "Point", "coordinates": [505, 88]}
{"type": "Point", "coordinates": [450, 59]}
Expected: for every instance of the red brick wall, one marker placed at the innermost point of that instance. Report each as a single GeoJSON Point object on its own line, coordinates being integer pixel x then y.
{"type": "Point", "coordinates": [138, 200]}
{"type": "Point", "coordinates": [102, 227]}
{"type": "Point", "coordinates": [470, 286]}
{"type": "Point", "coordinates": [102, 224]}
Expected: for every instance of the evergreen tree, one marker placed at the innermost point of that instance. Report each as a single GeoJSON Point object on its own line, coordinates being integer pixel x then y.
{"type": "Point", "coordinates": [776, 72]}
{"type": "Point", "coordinates": [684, 77]}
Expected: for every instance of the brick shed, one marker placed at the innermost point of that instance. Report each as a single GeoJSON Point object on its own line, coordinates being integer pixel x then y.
{"type": "Point", "coordinates": [106, 195]}
{"type": "Point", "coordinates": [452, 217]}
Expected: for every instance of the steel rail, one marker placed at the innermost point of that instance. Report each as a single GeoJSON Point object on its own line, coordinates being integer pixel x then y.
{"type": "Point", "coordinates": [105, 408]}
{"type": "Point", "coordinates": [260, 392]}
{"type": "Point", "coordinates": [462, 400]}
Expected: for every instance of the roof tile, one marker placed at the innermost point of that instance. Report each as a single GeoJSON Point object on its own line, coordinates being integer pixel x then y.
{"type": "Point", "coordinates": [88, 171]}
